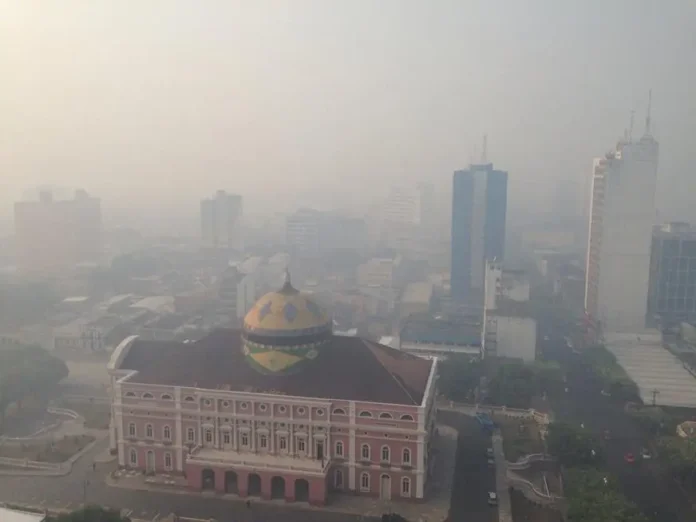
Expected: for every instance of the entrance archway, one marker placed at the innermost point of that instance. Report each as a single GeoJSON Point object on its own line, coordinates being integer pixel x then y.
{"type": "Point", "coordinates": [277, 487]}
{"type": "Point", "coordinates": [385, 487]}
{"type": "Point", "coordinates": [208, 479]}
{"type": "Point", "coordinates": [301, 490]}
{"type": "Point", "coordinates": [231, 484]}
{"type": "Point", "coordinates": [150, 462]}
{"type": "Point", "coordinates": [254, 485]}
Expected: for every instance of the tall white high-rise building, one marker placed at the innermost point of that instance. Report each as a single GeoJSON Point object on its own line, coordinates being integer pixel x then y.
{"type": "Point", "coordinates": [622, 214]}
{"type": "Point", "coordinates": [221, 221]}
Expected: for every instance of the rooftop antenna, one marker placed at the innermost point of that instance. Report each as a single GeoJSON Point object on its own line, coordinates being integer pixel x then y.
{"type": "Point", "coordinates": [484, 150]}
{"type": "Point", "coordinates": [647, 116]}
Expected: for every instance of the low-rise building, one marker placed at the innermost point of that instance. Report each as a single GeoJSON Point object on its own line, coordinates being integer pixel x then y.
{"type": "Point", "coordinates": [439, 336]}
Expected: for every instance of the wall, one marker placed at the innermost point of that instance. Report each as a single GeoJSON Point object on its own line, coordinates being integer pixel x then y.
{"type": "Point", "coordinates": [516, 337]}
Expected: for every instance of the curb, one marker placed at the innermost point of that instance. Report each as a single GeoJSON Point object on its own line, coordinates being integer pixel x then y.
{"type": "Point", "coordinates": [61, 473]}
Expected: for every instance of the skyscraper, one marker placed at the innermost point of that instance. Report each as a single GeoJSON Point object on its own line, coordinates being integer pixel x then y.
{"type": "Point", "coordinates": [479, 209]}
{"type": "Point", "coordinates": [622, 214]}
{"type": "Point", "coordinates": [53, 236]}
{"type": "Point", "coordinates": [221, 221]}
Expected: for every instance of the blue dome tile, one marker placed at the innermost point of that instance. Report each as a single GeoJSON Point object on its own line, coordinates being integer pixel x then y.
{"type": "Point", "coordinates": [290, 312]}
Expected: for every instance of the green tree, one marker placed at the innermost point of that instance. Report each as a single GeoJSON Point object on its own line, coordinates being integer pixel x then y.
{"type": "Point", "coordinates": [91, 514]}
{"type": "Point", "coordinates": [459, 377]}
{"type": "Point", "coordinates": [27, 371]}
{"type": "Point", "coordinates": [573, 447]}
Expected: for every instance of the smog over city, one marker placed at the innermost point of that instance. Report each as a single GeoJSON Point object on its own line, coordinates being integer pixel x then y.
{"type": "Point", "coordinates": [329, 260]}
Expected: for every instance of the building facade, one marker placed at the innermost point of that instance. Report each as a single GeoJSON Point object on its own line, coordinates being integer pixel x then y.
{"type": "Point", "coordinates": [55, 236]}
{"type": "Point", "coordinates": [620, 234]}
{"type": "Point", "coordinates": [479, 211]}
{"type": "Point", "coordinates": [672, 290]}
{"type": "Point", "coordinates": [283, 409]}
{"type": "Point", "coordinates": [221, 221]}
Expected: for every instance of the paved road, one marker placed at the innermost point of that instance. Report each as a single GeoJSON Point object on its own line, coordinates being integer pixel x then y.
{"type": "Point", "coordinates": [654, 494]}
{"type": "Point", "coordinates": [69, 493]}
{"type": "Point", "coordinates": [473, 479]}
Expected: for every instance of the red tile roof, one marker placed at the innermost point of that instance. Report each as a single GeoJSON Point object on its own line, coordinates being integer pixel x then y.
{"type": "Point", "coordinates": [349, 368]}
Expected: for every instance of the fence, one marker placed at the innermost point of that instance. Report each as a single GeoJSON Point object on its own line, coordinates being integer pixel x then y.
{"type": "Point", "coordinates": [473, 409]}
{"type": "Point", "coordinates": [31, 464]}
{"type": "Point", "coordinates": [530, 491]}
{"type": "Point", "coordinates": [527, 460]}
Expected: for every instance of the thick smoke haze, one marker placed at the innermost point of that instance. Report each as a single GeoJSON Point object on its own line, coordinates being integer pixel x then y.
{"type": "Point", "coordinates": [152, 105]}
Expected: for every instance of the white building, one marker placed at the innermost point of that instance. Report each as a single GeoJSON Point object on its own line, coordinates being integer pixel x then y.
{"type": "Point", "coordinates": [303, 233]}
{"type": "Point", "coordinates": [221, 221]}
{"type": "Point", "coordinates": [620, 233]}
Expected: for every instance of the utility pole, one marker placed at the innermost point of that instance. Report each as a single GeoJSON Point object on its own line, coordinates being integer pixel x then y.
{"type": "Point", "coordinates": [655, 393]}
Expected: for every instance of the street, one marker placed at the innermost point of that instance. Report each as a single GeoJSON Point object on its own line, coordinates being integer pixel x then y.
{"type": "Point", "coordinates": [473, 479]}
{"type": "Point", "coordinates": [584, 404]}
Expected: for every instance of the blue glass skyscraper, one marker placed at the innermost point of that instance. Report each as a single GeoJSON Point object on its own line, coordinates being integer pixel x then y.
{"type": "Point", "coordinates": [479, 210]}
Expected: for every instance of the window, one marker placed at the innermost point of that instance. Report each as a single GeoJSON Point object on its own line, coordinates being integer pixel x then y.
{"type": "Point", "coordinates": [225, 404]}
{"type": "Point", "coordinates": [226, 437]}
{"type": "Point", "coordinates": [338, 479]}
{"type": "Point", "coordinates": [282, 409]}
{"type": "Point", "coordinates": [365, 452]}
{"type": "Point", "coordinates": [149, 431]}
{"type": "Point", "coordinates": [245, 440]}
{"type": "Point", "coordinates": [209, 435]}
{"type": "Point", "coordinates": [191, 435]}
{"type": "Point", "coordinates": [168, 461]}
{"type": "Point", "coordinates": [131, 430]}
{"type": "Point", "coordinates": [167, 433]}
{"type": "Point", "coordinates": [406, 456]}
{"type": "Point", "coordinates": [385, 453]}
{"type": "Point", "coordinates": [365, 414]}
{"type": "Point", "coordinates": [263, 441]}
{"type": "Point", "coordinates": [130, 394]}
{"type": "Point", "coordinates": [320, 413]}
{"type": "Point", "coordinates": [263, 407]}
{"type": "Point", "coordinates": [406, 417]}
{"type": "Point", "coordinates": [385, 416]}
{"type": "Point", "coordinates": [243, 405]}
{"type": "Point", "coordinates": [339, 449]}
{"type": "Point", "coordinates": [300, 410]}
{"type": "Point", "coordinates": [133, 457]}
{"type": "Point", "coordinates": [147, 395]}
{"type": "Point", "coordinates": [166, 397]}
{"type": "Point", "coordinates": [283, 443]}
{"type": "Point", "coordinates": [206, 402]}
{"type": "Point", "coordinates": [339, 411]}
{"type": "Point", "coordinates": [405, 487]}
{"type": "Point", "coordinates": [364, 482]}
{"type": "Point", "coordinates": [301, 445]}
{"type": "Point", "coordinates": [188, 398]}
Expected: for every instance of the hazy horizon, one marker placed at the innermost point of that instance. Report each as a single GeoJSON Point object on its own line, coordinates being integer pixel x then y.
{"type": "Point", "coordinates": [158, 104]}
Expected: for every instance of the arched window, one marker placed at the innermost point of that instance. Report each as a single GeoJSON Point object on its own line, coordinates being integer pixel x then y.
{"type": "Point", "coordinates": [385, 416]}
{"type": "Point", "coordinates": [209, 436]}
{"type": "Point", "coordinates": [133, 457]}
{"type": "Point", "coordinates": [406, 417]}
{"type": "Point", "coordinates": [339, 411]}
{"type": "Point", "coordinates": [148, 395]}
{"type": "Point", "coordinates": [338, 479]}
{"type": "Point", "coordinates": [365, 452]}
{"type": "Point", "coordinates": [130, 394]}
{"type": "Point", "coordinates": [406, 456]}
{"type": "Point", "coordinates": [385, 454]}
{"type": "Point", "coordinates": [168, 461]}
{"type": "Point", "coordinates": [166, 397]}
{"type": "Point", "coordinates": [167, 433]}
{"type": "Point", "coordinates": [191, 435]}
{"type": "Point", "coordinates": [405, 487]}
{"type": "Point", "coordinates": [365, 482]}
{"type": "Point", "coordinates": [132, 430]}
{"type": "Point", "coordinates": [339, 449]}
{"type": "Point", "coordinates": [149, 431]}
{"type": "Point", "coordinates": [365, 414]}
{"type": "Point", "coordinates": [189, 398]}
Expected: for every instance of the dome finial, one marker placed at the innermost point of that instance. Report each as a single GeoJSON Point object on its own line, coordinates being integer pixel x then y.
{"type": "Point", "coordinates": [287, 283]}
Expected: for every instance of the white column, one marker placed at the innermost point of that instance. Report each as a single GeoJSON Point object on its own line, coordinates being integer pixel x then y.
{"type": "Point", "coordinates": [420, 452]}
{"type": "Point", "coordinates": [351, 447]}
{"type": "Point", "coordinates": [178, 430]}
{"type": "Point", "coordinates": [311, 450]}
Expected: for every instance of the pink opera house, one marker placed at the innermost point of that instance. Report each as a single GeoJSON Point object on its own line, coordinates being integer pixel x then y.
{"type": "Point", "coordinates": [282, 409]}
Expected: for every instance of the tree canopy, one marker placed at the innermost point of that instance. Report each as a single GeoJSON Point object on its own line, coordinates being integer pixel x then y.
{"type": "Point", "coordinates": [91, 514]}
{"type": "Point", "coordinates": [593, 496]}
{"type": "Point", "coordinates": [26, 371]}
{"type": "Point", "coordinates": [573, 446]}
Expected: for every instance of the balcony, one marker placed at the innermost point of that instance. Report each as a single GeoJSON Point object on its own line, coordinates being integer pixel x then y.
{"type": "Point", "coordinates": [258, 461]}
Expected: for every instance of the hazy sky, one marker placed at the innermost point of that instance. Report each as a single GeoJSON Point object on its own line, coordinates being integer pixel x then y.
{"type": "Point", "coordinates": [147, 102]}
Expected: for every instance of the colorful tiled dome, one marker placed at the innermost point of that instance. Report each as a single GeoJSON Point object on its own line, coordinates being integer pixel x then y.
{"type": "Point", "coordinates": [284, 329]}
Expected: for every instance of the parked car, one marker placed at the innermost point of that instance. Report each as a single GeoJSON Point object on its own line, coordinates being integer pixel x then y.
{"type": "Point", "coordinates": [492, 498]}
{"type": "Point", "coordinates": [489, 452]}
{"type": "Point", "coordinates": [630, 458]}
{"type": "Point", "coordinates": [491, 462]}
{"type": "Point", "coordinates": [645, 454]}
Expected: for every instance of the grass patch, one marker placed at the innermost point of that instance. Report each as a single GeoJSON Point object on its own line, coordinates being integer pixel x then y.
{"type": "Point", "coordinates": [520, 437]}
{"type": "Point", "coordinates": [46, 451]}
{"type": "Point", "coordinates": [97, 414]}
